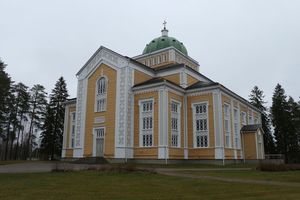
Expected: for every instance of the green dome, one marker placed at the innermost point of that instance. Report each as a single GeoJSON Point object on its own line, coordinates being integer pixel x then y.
{"type": "Point", "coordinates": [164, 42]}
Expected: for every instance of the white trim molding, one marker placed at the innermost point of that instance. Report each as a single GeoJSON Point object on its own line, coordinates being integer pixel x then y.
{"type": "Point", "coordinates": [95, 136]}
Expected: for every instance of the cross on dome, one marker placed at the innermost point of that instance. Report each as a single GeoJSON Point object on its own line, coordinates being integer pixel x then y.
{"type": "Point", "coordinates": [165, 23]}
{"type": "Point", "coordinates": [164, 32]}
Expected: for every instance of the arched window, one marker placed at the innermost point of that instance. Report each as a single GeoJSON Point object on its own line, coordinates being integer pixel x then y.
{"type": "Point", "coordinates": [101, 90]}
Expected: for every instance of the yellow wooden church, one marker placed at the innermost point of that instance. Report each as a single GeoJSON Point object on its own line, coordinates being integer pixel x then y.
{"type": "Point", "coordinates": [157, 106]}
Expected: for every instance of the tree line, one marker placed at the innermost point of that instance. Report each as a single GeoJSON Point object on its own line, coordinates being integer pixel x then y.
{"type": "Point", "coordinates": [31, 121]}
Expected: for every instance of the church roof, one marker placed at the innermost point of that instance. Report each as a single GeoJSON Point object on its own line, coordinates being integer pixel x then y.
{"type": "Point", "coordinates": [154, 81]}
{"type": "Point", "coordinates": [201, 84]}
{"type": "Point", "coordinates": [250, 128]}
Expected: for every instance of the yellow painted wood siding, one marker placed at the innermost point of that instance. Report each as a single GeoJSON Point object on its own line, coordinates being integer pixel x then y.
{"type": "Point", "coordinates": [174, 152]}
{"type": "Point", "coordinates": [69, 153]}
{"type": "Point", "coordinates": [191, 80]}
{"type": "Point", "coordinates": [145, 152]}
{"type": "Point", "coordinates": [201, 153]}
{"type": "Point", "coordinates": [140, 77]}
{"type": "Point", "coordinates": [109, 114]}
{"type": "Point", "coordinates": [173, 78]}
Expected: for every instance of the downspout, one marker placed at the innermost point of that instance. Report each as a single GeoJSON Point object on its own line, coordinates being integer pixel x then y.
{"type": "Point", "coordinates": [243, 148]}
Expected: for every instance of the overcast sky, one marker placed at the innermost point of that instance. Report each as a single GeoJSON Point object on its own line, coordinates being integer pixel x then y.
{"type": "Point", "coordinates": [237, 43]}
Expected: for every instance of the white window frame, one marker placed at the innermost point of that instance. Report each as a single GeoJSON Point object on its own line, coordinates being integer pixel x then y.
{"type": "Point", "coordinates": [228, 138]}
{"type": "Point", "coordinates": [198, 117]}
{"type": "Point", "coordinates": [72, 129]}
{"type": "Point", "coordinates": [250, 117]}
{"type": "Point", "coordinates": [236, 127]}
{"type": "Point", "coordinates": [255, 121]}
{"type": "Point", "coordinates": [144, 115]}
{"type": "Point", "coordinates": [176, 130]}
{"type": "Point", "coordinates": [244, 118]}
{"type": "Point", "coordinates": [102, 96]}
{"type": "Point", "coordinates": [95, 136]}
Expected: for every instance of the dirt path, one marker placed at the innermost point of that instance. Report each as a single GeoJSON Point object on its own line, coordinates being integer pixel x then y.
{"type": "Point", "coordinates": [34, 167]}
{"type": "Point", "coordinates": [178, 173]}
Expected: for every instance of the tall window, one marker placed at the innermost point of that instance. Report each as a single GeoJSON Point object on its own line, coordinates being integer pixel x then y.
{"type": "Point", "coordinates": [200, 124]}
{"type": "Point", "coordinates": [72, 134]}
{"type": "Point", "coordinates": [101, 90]}
{"type": "Point", "coordinates": [236, 128]}
{"type": "Point", "coordinates": [250, 117]}
{"type": "Point", "coordinates": [175, 124]}
{"type": "Point", "coordinates": [244, 118]}
{"type": "Point", "coordinates": [146, 123]}
{"type": "Point", "coordinates": [227, 125]}
{"type": "Point", "coordinates": [255, 120]}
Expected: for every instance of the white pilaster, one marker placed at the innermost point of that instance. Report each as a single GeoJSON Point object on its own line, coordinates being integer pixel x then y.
{"type": "Point", "coordinates": [185, 139]}
{"type": "Point", "coordinates": [163, 151]}
{"type": "Point", "coordinates": [218, 125]}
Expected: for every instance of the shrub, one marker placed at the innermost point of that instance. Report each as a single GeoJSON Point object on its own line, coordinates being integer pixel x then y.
{"type": "Point", "coordinates": [272, 167]}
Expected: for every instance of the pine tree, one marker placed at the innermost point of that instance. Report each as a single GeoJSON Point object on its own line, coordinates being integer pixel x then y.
{"type": "Point", "coordinates": [55, 131]}
{"type": "Point", "coordinates": [280, 120]}
{"type": "Point", "coordinates": [37, 108]}
{"type": "Point", "coordinates": [9, 123]}
{"type": "Point", "coordinates": [257, 99]}
{"type": "Point", "coordinates": [5, 85]}
{"type": "Point", "coordinates": [22, 107]}
{"type": "Point", "coordinates": [47, 135]}
{"type": "Point", "coordinates": [293, 128]}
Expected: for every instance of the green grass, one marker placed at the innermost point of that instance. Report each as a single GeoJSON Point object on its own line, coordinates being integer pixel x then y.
{"type": "Point", "coordinates": [108, 185]}
{"type": "Point", "coordinates": [286, 176]}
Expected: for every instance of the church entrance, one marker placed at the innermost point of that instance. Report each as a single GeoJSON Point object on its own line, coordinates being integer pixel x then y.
{"type": "Point", "coordinates": [99, 143]}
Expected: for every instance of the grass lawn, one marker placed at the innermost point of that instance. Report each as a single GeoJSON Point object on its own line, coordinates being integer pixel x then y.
{"type": "Point", "coordinates": [108, 185]}
{"type": "Point", "coordinates": [286, 176]}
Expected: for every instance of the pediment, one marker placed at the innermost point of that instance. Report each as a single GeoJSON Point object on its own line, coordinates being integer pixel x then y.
{"type": "Point", "coordinates": [102, 55]}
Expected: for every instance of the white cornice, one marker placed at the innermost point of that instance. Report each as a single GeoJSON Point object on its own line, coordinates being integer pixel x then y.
{"type": "Point", "coordinates": [154, 85]}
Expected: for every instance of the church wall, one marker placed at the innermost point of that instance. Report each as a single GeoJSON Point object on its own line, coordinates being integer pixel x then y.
{"type": "Point", "coordinates": [173, 78]}
{"type": "Point", "coordinates": [201, 153]}
{"type": "Point", "coordinates": [176, 152]}
{"type": "Point", "coordinates": [191, 80]}
{"type": "Point", "coordinates": [140, 77]}
{"type": "Point", "coordinates": [108, 115]}
{"type": "Point", "coordinates": [145, 152]}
